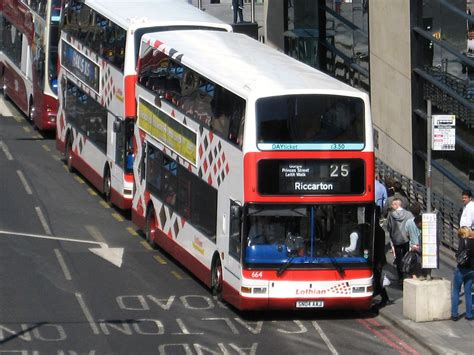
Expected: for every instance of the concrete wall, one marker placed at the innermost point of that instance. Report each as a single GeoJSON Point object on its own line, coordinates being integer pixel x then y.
{"type": "Point", "coordinates": [274, 24]}
{"type": "Point", "coordinates": [390, 78]}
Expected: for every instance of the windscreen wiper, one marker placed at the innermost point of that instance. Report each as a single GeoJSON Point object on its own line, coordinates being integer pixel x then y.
{"type": "Point", "coordinates": [338, 266]}
{"type": "Point", "coordinates": [285, 266]}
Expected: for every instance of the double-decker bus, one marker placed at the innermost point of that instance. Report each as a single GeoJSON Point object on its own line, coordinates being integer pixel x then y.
{"type": "Point", "coordinates": [28, 66]}
{"type": "Point", "coordinates": [254, 171]}
{"type": "Point", "coordinates": [98, 51]}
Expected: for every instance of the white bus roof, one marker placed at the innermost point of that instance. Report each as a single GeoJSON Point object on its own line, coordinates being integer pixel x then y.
{"type": "Point", "coordinates": [245, 65]}
{"type": "Point", "coordinates": [146, 13]}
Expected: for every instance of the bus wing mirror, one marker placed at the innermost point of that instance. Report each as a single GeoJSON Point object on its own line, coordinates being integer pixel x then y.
{"type": "Point", "coordinates": [236, 212]}
{"type": "Point", "coordinates": [117, 125]}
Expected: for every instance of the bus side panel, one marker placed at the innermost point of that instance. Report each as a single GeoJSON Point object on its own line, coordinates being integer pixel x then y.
{"type": "Point", "coordinates": [15, 88]}
{"type": "Point", "coordinates": [46, 108]}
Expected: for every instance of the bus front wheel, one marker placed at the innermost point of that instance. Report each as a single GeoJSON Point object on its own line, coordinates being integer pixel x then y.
{"type": "Point", "coordinates": [217, 279]}
{"type": "Point", "coordinates": [68, 154]}
{"type": "Point", "coordinates": [107, 186]}
{"type": "Point", "coordinates": [151, 228]}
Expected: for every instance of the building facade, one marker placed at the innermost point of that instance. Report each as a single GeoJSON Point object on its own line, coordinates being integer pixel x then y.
{"type": "Point", "coordinates": [403, 53]}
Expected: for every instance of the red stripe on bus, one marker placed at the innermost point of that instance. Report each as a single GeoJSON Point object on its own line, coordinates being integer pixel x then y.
{"type": "Point", "coordinates": [129, 96]}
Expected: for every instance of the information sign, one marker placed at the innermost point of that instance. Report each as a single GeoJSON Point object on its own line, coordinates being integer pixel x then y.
{"type": "Point", "coordinates": [444, 132]}
{"type": "Point", "coordinates": [429, 242]}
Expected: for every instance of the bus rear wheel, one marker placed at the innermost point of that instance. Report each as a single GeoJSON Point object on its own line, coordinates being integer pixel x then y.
{"type": "Point", "coordinates": [151, 229]}
{"type": "Point", "coordinates": [107, 186]}
{"type": "Point", "coordinates": [68, 154]}
{"type": "Point", "coordinates": [217, 279]}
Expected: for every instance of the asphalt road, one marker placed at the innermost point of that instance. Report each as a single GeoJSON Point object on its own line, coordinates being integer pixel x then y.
{"type": "Point", "coordinates": [56, 297]}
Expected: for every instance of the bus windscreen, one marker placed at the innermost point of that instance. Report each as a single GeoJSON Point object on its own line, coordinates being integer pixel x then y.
{"type": "Point", "coordinates": [310, 120]}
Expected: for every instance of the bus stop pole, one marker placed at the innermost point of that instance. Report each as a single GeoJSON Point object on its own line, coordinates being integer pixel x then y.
{"type": "Point", "coordinates": [429, 132]}
{"type": "Point", "coordinates": [252, 11]}
{"type": "Point", "coordinates": [200, 4]}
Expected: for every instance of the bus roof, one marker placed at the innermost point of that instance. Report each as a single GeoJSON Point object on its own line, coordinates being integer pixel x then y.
{"type": "Point", "coordinates": [147, 13]}
{"type": "Point", "coordinates": [245, 65]}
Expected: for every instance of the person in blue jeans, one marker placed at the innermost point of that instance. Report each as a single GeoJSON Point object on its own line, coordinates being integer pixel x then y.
{"type": "Point", "coordinates": [237, 7]}
{"type": "Point", "coordinates": [463, 275]}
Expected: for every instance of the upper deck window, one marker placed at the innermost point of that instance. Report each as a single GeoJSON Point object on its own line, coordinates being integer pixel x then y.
{"type": "Point", "coordinates": [311, 121]}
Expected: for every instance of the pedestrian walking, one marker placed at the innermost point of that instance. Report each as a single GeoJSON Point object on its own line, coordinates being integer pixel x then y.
{"type": "Point", "coordinates": [379, 262]}
{"type": "Point", "coordinates": [413, 230]}
{"type": "Point", "coordinates": [380, 192]}
{"type": "Point", "coordinates": [463, 275]}
{"type": "Point", "coordinates": [398, 193]}
{"type": "Point", "coordinates": [396, 221]}
{"type": "Point", "coordinates": [467, 215]}
{"type": "Point", "coordinates": [237, 8]}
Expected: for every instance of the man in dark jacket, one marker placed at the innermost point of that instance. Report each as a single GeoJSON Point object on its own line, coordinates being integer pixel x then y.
{"type": "Point", "coordinates": [395, 223]}
{"type": "Point", "coordinates": [379, 261]}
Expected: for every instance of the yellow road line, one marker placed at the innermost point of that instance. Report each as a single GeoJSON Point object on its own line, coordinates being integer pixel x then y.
{"type": "Point", "coordinates": [118, 217]}
{"type": "Point", "coordinates": [18, 119]}
{"type": "Point", "coordinates": [45, 147]}
{"type": "Point", "coordinates": [146, 245]}
{"type": "Point", "coordinates": [26, 129]}
{"type": "Point", "coordinates": [177, 275]}
{"type": "Point", "coordinates": [132, 231]}
{"type": "Point", "coordinates": [56, 157]}
{"type": "Point", "coordinates": [104, 204]}
{"type": "Point", "coordinates": [92, 192]}
{"type": "Point", "coordinates": [160, 260]}
{"type": "Point", "coordinates": [79, 179]}
{"type": "Point", "coordinates": [65, 168]}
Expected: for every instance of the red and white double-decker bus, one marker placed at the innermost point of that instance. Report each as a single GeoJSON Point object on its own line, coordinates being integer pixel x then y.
{"type": "Point", "coordinates": [254, 171]}
{"type": "Point", "coordinates": [28, 66]}
{"type": "Point", "coordinates": [97, 109]}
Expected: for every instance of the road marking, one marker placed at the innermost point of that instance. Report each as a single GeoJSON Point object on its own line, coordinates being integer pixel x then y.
{"type": "Point", "coordinates": [146, 245]}
{"type": "Point", "coordinates": [63, 265]}
{"type": "Point", "coordinates": [326, 340]}
{"type": "Point", "coordinates": [160, 260]}
{"type": "Point", "coordinates": [42, 219]}
{"type": "Point", "coordinates": [91, 192]}
{"type": "Point", "coordinates": [118, 217]}
{"type": "Point", "coordinates": [24, 182]}
{"type": "Point", "coordinates": [27, 129]}
{"type": "Point", "coordinates": [18, 119]}
{"type": "Point", "coordinates": [87, 314]}
{"type": "Point", "coordinates": [7, 153]}
{"type": "Point", "coordinates": [45, 147]}
{"type": "Point", "coordinates": [95, 233]}
{"type": "Point", "coordinates": [132, 231]}
{"type": "Point", "coordinates": [56, 157]}
{"type": "Point", "coordinates": [79, 179]}
{"type": "Point", "coordinates": [177, 275]}
{"type": "Point", "coordinates": [104, 204]}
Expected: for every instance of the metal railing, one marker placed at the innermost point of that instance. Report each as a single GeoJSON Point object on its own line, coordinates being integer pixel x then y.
{"type": "Point", "coordinates": [448, 211]}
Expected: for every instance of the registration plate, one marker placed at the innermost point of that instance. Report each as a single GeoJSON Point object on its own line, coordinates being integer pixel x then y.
{"type": "Point", "coordinates": [309, 304]}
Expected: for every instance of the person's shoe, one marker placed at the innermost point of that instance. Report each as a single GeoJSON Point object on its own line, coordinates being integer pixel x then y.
{"type": "Point", "coordinates": [455, 318]}
{"type": "Point", "coordinates": [469, 318]}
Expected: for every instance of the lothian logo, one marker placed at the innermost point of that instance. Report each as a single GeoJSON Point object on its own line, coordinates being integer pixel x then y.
{"type": "Point", "coordinates": [310, 291]}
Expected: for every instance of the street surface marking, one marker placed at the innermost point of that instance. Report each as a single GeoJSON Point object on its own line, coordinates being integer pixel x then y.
{"type": "Point", "coordinates": [91, 192]}
{"type": "Point", "coordinates": [40, 214]}
{"type": "Point", "coordinates": [118, 217]}
{"type": "Point", "coordinates": [104, 204]}
{"type": "Point", "coordinates": [132, 231]}
{"type": "Point", "coordinates": [27, 129]}
{"type": "Point", "coordinates": [63, 265]}
{"type": "Point", "coordinates": [146, 245]}
{"type": "Point", "coordinates": [79, 179]}
{"type": "Point", "coordinates": [66, 168]}
{"type": "Point", "coordinates": [87, 314]}
{"type": "Point", "coordinates": [18, 119]}
{"type": "Point", "coordinates": [160, 260]}
{"type": "Point", "coordinates": [37, 136]}
{"type": "Point", "coordinates": [326, 340]}
{"type": "Point", "coordinates": [56, 157]}
{"type": "Point", "coordinates": [24, 182]}
{"type": "Point", "coordinates": [45, 147]}
{"type": "Point", "coordinates": [177, 275]}
{"type": "Point", "coordinates": [5, 150]}
{"type": "Point", "coordinates": [95, 233]}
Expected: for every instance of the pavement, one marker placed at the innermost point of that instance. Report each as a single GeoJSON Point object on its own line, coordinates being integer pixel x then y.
{"type": "Point", "coordinates": [437, 337]}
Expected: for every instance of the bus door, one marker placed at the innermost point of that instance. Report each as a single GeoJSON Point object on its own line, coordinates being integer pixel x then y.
{"type": "Point", "coordinates": [234, 230]}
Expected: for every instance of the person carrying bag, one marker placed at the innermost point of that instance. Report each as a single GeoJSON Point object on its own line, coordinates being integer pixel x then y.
{"type": "Point", "coordinates": [464, 273]}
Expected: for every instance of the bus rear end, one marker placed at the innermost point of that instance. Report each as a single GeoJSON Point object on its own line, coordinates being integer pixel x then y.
{"type": "Point", "coordinates": [308, 217]}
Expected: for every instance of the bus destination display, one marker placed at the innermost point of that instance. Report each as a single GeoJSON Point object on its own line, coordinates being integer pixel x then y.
{"type": "Point", "coordinates": [311, 177]}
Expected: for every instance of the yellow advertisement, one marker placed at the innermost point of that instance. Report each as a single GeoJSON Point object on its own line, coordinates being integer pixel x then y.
{"type": "Point", "coordinates": [167, 130]}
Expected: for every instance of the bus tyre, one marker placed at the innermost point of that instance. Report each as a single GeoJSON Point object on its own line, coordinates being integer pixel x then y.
{"type": "Point", "coordinates": [68, 154]}
{"type": "Point", "coordinates": [31, 111]}
{"type": "Point", "coordinates": [216, 278]}
{"type": "Point", "coordinates": [151, 228]}
{"type": "Point", "coordinates": [107, 186]}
